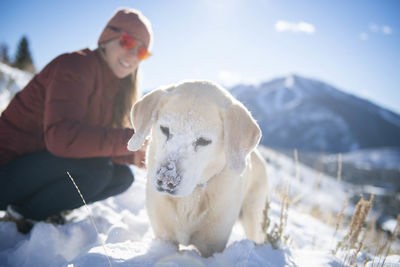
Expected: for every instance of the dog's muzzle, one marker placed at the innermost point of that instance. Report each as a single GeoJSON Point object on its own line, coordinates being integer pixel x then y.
{"type": "Point", "coordinates": [168, 178]}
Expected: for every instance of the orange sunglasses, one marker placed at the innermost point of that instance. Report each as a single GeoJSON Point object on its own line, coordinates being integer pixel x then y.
{"type": "Point", "coordinates": [128, 42]}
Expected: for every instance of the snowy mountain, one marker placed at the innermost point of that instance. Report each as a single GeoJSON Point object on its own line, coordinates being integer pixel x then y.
{"type": "Point", "coordinates": [296, 112]}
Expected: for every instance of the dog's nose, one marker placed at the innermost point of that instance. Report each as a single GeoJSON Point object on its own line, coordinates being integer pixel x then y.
{"type": "Point", "coordinates": [167, 177]}
{"type": "Point", "coordinates": [170, 186]}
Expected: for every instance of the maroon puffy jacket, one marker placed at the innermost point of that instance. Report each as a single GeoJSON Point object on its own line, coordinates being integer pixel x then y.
{"type": "Point", "coordinates": [65, 109]}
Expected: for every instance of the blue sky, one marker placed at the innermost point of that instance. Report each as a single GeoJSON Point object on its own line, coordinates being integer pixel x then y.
{"type": "Point", "coordinates": [351, 44]}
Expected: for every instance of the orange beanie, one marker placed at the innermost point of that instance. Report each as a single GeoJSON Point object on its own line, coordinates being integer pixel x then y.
{"type": "Point", "coordinates": [130, 21]}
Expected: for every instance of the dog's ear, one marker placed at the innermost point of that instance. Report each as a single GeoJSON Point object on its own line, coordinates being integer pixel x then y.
{"type": "Point", "coordinates": [241, 133]}
{"type": "Point", "coordinates": [143, 114]}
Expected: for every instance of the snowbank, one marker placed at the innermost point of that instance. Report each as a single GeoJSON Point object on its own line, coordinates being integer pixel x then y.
{"type": "Point", "coordinates": [124, 228]}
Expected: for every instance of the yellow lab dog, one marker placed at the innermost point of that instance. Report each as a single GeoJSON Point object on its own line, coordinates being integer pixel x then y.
{"type": "Point", "coordinates": [204, 171]}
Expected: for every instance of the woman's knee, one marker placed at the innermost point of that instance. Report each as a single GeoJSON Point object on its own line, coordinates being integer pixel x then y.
{"type": "Point", "coordinates": [123, 175]}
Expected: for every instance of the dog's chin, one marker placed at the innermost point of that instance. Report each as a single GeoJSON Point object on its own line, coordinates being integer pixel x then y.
{"type": "Point", "coordinates": [164, 191]}
{"type": "Point", "coordinates": [177, 192]}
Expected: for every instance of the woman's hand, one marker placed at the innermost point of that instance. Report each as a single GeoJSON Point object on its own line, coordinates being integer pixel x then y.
{"type": "Point", "coordinates": [137, 158]}
{"type": "Point", "coordinates": [140, 156]}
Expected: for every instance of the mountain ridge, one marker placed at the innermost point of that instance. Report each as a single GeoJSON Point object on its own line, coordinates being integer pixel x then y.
{"type": "Point", "coordinates": [311, 115]}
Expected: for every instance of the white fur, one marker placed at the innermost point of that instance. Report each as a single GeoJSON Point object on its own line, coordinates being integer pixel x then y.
{"type": "Point", "coordinates": [203, 167]}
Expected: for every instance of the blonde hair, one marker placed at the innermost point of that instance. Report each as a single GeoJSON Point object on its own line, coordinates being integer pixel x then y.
{"type": "Point", "coordinates": [126, 97]}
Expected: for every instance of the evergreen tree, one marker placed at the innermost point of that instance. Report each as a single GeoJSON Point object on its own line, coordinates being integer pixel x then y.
{"type": "Point", "coordinates": [4, 54]}
{"type": "Point", "coordinates": [23, 59]}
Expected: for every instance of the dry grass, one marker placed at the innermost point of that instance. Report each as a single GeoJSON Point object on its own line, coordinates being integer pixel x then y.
{"type": "Point", "coordinates": [339, 219]}
{"type": "Point", "coordinates": [340, 216]}
{"type": "Point", "coordinates": [384, 249]}
{"type": "Point", "coordinates": [352, 244]}
{"type": "Point", "coordinates": [91, 219]}
{"type": "Point", "coordinates": [274, 235]}
{"type": "Point", "coordinates": [361, 237]}
{"type": "Point", "coordinates": [296, 162]}
{"type": "Point", "coordinates": [339, 170]}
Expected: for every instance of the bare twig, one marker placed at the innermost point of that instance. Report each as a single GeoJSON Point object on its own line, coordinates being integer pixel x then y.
{"type": "Point", "coordinates": [91, 219]}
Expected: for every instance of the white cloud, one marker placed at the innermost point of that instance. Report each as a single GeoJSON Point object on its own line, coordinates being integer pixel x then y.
{"type": "Point", "coordinates": [386, 30]}
{"type": "Point", "coordinates": [282, 25]}
{"type": "Point", "coordinates": [363, 36]}
{"type": "Point", "coordinates": [375, 28]}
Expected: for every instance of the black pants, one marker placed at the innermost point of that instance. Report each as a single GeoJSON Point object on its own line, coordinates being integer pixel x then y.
{"type": "Point", "coordinates": [38, 184]}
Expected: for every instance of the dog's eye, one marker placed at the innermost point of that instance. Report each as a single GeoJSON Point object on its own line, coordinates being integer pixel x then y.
{"type": "Point", "coordinates": [202, 142]}
{"type": "Point", "coordinates": [165, 131]}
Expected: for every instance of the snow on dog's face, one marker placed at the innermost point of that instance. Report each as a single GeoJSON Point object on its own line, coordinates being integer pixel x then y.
{"type": "Point", "coordinates": [196, 130]}
{"type": "Point", "coordinates": [186, 146]}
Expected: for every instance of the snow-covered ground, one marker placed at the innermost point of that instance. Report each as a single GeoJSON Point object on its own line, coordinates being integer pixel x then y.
{"type": "Point", "coordinates": [123, 225]}
{"type": "Point", "coordinates": [124, 228]}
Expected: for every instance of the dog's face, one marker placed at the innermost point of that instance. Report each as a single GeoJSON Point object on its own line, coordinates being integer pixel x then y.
{"type": "Point", "coordinates": [196, 130]}
{"type": "Point", "coordinates": [186, 145]}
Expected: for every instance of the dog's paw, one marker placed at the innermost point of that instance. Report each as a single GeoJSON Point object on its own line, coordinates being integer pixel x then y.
{"type": "Point", "coordinates": [135, 143]}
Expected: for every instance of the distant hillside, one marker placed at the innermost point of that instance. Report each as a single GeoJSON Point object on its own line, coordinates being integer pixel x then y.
{"type": "Point", "coordinates": [11, 81]}
{"type": "Point", "coordinates": [296, 112]}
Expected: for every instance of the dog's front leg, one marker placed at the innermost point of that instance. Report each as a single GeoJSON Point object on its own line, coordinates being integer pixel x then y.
{"type": "Point", "coordinates": [208, 247]}
{"type": "Point", "coordinates": [212, 238]}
